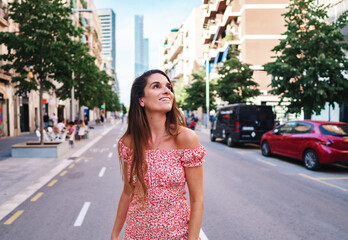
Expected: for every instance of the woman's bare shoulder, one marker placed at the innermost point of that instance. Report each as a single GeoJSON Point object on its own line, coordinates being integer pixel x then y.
{"type": "Point", "coordinates": [126, 140]}
{"type": "Point", "coordinates": [187, 138]}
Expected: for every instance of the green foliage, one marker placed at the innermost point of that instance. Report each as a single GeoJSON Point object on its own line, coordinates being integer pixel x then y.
{"type": "Point", "coordinates": [310, 62]}
{"type": "Point", "coordinates": [196, 93]}
{"type": "Point", "coordinates": [43, 42]}
{"type": "Point", "coordinates": [235, 84]}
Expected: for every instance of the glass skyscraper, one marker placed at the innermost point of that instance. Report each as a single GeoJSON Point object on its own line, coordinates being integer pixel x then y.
{"type": "Point", "coordinates": [108, 41]}
{"type": "Point", "coordinates": [141, 47]}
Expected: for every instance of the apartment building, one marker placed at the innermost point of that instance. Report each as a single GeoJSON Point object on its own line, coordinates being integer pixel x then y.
{"type": "Point", "coordinates": [20, 114]}
{"type": "Point", "coordinates": [336, 113]}
{"type": "Point", "coordinates": [182, 50]}
{"type": "Point", "coordinates": [253, 27]}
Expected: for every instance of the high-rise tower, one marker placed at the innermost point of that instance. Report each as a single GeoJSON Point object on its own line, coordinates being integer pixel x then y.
{"type": "Point", "coordinates": [141, 47]}
{"type": "Point", "coordinates": [108, 39]}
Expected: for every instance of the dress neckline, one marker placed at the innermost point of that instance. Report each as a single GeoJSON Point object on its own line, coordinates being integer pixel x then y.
{"type": "Point", "coordinates": [164, 150]}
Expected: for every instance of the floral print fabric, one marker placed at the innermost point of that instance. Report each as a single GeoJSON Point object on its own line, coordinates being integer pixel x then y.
{"type": "Point", "coordinates": [165, 215]}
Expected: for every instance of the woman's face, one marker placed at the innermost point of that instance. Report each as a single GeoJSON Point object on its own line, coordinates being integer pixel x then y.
{"type": "Point", "coordinates": [158, 94]}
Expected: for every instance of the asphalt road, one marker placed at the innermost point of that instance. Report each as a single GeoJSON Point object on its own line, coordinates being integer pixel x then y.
{"type": "Point", "coordinates": [247, 196]}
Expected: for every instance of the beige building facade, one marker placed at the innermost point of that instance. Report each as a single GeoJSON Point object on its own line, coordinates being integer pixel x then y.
{"type": "Point", "coordinates": [182, 50]}
{"type": "Point", "coordinates": [254, 28]}
{"type": "Point", "coordinates": [20, 114]}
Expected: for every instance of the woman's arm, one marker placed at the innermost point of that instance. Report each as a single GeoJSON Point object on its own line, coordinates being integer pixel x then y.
{"type": "Point", "coordinates": [194, 178]}
{"type": "Point", "coordinates": [188, 139]}
{"type": "Point", "coordinates": [123, 206]}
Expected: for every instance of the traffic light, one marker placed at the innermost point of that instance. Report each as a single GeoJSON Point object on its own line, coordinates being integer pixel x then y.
{"type": "Point", "coordinates": [102, 106]}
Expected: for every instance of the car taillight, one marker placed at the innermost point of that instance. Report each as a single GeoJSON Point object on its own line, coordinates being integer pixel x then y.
{"type": "Point", "coordinates": [237, 127]}
{"type": "Point", "coordinates": [325, 142]}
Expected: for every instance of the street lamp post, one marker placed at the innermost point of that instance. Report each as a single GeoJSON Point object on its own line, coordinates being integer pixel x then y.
{"type": "Point", "coordinates": [72, 112]}
{"type": "Point", "coordinates": [207, 72]}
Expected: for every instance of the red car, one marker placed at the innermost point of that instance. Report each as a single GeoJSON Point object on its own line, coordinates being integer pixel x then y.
{"type": "Point", "coordinates": [314, 142]}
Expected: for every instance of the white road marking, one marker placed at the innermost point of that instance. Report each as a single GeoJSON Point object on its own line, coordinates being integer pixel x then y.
{"type": "Point", "coordinates": [202, 235]}
{"type": "Point", "coordinates": [15, 201]}
{"type": "Point", "coordinates": [102, 171]}
{"type": "Point", "coordinates": [82, 214]}
{"type": "Point", "coordinates": [82, 150]}
{"type": "Point", "coordinates": [110, 155]}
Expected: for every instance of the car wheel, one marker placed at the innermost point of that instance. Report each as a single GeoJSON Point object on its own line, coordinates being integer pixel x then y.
{"type": "Point", "coordinates": [230, 142]}
{"type": "Point", "coordinates": [212, 137]}
{"type": "Point", "coordinates": [311, 160]}
{"type": "Point", "coordinates": [265, 149]}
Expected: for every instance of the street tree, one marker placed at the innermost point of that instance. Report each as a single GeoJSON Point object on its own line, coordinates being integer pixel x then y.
{"type": "Point", "coordinates": [43, 43]}
{"type": "Point", "coordinates": [196, 93]}
{"type": "Point", "coordinates": [310, 62]}
{"type": "Point", "coordinates": [235, 84]}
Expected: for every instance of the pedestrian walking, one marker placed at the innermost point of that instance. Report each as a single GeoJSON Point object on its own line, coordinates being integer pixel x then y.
{"type": "Point", "coordinates": [159, 155]}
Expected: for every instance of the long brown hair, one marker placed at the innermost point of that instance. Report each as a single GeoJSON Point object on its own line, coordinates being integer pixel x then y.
{"type": "Point", "coordinates": [138, 127]}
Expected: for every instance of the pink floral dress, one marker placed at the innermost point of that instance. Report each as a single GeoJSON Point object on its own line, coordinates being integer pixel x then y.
{"type": "Point", "coordinates": [166, 212]}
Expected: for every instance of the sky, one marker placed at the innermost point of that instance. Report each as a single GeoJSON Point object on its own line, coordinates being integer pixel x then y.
{"type": "Point", "coordinates": [160, 16]}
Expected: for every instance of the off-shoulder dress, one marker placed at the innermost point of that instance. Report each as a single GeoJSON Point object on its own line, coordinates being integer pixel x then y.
{"type": "Point", "coordinates": [165, 215]}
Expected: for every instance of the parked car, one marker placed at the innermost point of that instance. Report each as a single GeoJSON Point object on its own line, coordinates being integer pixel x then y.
{"type": "Point", "coordinates": [314, 142]}
{"type": "Point", "coordinates": [241, 123]}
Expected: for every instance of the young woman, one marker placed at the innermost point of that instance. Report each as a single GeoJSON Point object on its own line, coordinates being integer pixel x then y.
{"type": "Point", "coordinates": [159, 155]}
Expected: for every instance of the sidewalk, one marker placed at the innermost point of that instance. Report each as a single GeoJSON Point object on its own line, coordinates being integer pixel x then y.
{"type": "Point", "coordinates": [21, 177]}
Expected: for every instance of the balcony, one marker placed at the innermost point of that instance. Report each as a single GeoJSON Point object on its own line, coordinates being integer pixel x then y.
{"type": "Point", "coordinates": [177, 71]}
{"type": "Point", "coordinates": [230, 14]}
{"type": "Point", "coordinates": [3, 15]}
{"type": "Point", "coordinates": [176, 47]}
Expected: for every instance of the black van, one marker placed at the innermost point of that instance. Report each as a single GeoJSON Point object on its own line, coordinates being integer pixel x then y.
{"type": "Point", "coordinates": [241, 123]}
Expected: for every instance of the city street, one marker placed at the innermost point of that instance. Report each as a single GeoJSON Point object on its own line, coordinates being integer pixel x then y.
{"type": "Point", "coordinates": [247, 196]}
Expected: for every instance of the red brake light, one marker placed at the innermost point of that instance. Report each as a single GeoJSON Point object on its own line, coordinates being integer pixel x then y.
{"type": "Point", "coordinates": [237, 127]}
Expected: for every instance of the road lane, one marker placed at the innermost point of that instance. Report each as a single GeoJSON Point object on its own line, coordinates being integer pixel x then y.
{"type": "Point", "coordinates": [247, 196]}
{"type": "Point", "coordinates": [248, 199]}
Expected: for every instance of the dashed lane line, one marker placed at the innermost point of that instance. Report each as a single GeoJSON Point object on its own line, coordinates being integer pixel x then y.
{"type": "Point", "coordinates": [82, 214]}
{"type": "Point", "coordinates": [110, 155]}
{"type": "Point", "coordinates": [202, 235]}
{"type": "Point", "coordinates": [102, 171]}
{"type": "Point", "coordinates": [51, 184]}
{"type": "Point", "coordinates": [72, 165]}
{"type": "Point", "coordinates": [323, 182]}
{"type": "Point", "coordinates": [19, 198]}
{"type": "Point", "coordinates": [63, 173]}
{"type": "Point", "coordinates": [266, 162]}
{"type": "Point", "coordinates": [37, 196]}
{"type": "Point", "coordinates": [78, 160]}
{"type": "Point", "coordinates": [13, 217]}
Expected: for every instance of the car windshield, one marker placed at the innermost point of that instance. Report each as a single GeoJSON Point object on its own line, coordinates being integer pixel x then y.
{"type": "Point", "coordinates": [334, 129]}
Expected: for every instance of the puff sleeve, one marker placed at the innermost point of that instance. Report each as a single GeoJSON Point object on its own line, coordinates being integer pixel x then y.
{"type": "Point", "coordinates": [193, 157]}
{"type": "Point", "coordinates": [124, 152]}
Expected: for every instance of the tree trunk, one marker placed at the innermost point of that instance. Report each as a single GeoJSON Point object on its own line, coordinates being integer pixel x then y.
{"type": "Point", "coordinates": [41, 112]}
{"type": "Point", "coordinates": [307, 115]}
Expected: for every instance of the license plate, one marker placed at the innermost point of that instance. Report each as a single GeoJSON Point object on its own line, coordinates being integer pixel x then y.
{"type": "Point", "coordinates": [245, 128]}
